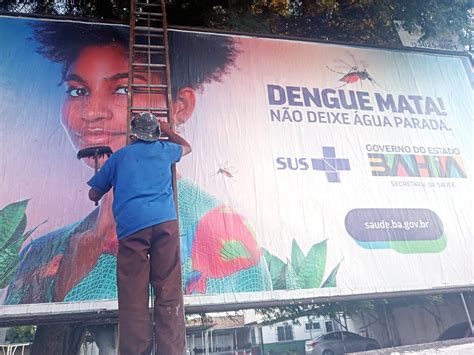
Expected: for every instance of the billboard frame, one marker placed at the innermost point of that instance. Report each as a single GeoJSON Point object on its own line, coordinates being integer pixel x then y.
{"type": "Point", "coordinates": [106, 311]}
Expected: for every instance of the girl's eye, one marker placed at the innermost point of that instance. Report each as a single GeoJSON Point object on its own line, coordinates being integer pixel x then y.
{"type": "Point", "coordinates": [76, 92]}
{"type": "Point", "coordinates": [123, 90]}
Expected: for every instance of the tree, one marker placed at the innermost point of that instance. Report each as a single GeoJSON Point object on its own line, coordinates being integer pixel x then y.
{"type": "Point", "coordinates": [333, 310]}
{"type": "Point", "coordinates": [21, 334]}
{"type": "Point", "coordinates": [352, 21]}
{"type": "Point", "coordinates": [97, 9]}
{"type": "Point", "coordinates": [58, 339]}
{"type": "Point", "coordinates": [371, 22]}
{"type": "Point", "coordinates": [380, 311]}
{"type": "Point", "coordinates": [339, 311]}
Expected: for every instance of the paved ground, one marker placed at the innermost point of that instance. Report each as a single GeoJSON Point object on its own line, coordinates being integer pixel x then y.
{"type": "Point", "coordinates": [455, 347]}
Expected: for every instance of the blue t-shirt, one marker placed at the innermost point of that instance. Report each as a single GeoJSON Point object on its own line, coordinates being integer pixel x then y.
{"type": "Point", "coordinates": [140, 174]}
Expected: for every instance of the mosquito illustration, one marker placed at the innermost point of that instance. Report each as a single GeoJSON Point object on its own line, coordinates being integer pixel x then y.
{"type": "Point", "coordinates": [355, 74]}
{"type": "Point", "coordinates": [227, 171]}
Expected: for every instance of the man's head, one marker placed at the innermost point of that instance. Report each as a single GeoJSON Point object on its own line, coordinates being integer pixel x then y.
{"type": "Point", "coordinates": [144, 126]}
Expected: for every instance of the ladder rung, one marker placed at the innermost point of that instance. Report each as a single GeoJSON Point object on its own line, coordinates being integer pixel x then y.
{"type": "Point", "coordinates": [149, 65]}
{"type": "Point", "coordinates": [149, 70]}
{"type": "Point", "coordinates": [155, 38]}
{"type": "Point", "coordinates": [151, 111]}
{"type": "Point", "coordinates": [156, 113]}
{"type": "Point", "coordinates": [146, 46]}
{"type": "Point", "coordinates": [148, 89]}
{"type": "Point", "coordinates": [153, 53]}
{"type": "Point", "coordinates": [157, 109]}
{"type": "Point", "coordinates": [148, 23]}
{"type": "Point", "coordinates": [150, 29]}
{"type": "Point", "coordinates": [146, 49]}
{"type": "Point", "coordinates": [157, 14]}
{"type": "Point", "coordinates": [148, 86]}
{"type": "Point", "coordinates": [147, 20]}
{"type": "Point", "coordinates": [147, 4]}
{"type": "Point", "coordinates": [148, 35]}
{"type": "Point", "coordinates": [149, 92]}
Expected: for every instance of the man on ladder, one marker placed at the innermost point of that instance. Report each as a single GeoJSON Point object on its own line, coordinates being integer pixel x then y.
{"type": "Point", "coordinates": [147, 228]}
{"type": "Point", "coordinates": [144, 204]}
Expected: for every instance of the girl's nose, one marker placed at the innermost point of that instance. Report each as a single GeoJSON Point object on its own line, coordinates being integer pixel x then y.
{"type": "Point", "coordinates": [98, 108]}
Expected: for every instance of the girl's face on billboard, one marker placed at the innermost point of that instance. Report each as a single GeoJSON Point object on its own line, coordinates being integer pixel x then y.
{"type": "Point", "coordinates": [95, 109]}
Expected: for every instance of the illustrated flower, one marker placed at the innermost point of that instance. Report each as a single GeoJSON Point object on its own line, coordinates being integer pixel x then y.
{"type": "Point", "coordinates": [223, 244]}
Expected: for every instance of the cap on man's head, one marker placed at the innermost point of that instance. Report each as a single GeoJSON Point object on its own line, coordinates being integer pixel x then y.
{"type": "Point", "coordinates": [145, 126]}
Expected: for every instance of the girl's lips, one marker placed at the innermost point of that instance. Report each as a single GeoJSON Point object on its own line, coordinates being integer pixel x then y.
{"type": "Point", "coordinates": [98, 137]}
{"type": "Point", "coordinates": [95, 140]}
{"type": "Point", "coordinates": [98, 132]}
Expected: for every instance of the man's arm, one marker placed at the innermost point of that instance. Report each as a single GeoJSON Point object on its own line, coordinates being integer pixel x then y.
{"type": "Point", "coordinates": [95, 195]}
{"type": "Point", "coordinates": [175, 138]}
{"type": "Point", "coordinates": [101, 182]}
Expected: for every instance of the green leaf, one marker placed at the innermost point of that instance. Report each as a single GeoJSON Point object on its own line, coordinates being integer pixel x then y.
{"type": "Point", "coordinates": [17, 234]}
{"type": "Point", "coordinates": [291, 278]}
{"type": "Point", "coordinates": [280, 280]}
{"type": "Point", "coordinates": [12, 233]}
{"type": "Point", "coordinates": [7, 276]}
{"type": "Point", "coordinates": [331, 280]}
{"type": "Point", "coordinates": [234, 249]}
{"type": "Point", "coordinates": [10, 218]}
{"type": "Point", "coordinates": [297, 256]}
{"type": "Point", "coordinates": [4, 255]}
{"type": "Point", "coordinates": [9, 261]}
{"type": "Point", "coordinates": [313, 266]}
{"type": "Point", "coordinates": [277, 270]}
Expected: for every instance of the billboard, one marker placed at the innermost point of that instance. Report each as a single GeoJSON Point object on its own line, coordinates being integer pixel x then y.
{"type": "Point", "coordinates": [317, 169]}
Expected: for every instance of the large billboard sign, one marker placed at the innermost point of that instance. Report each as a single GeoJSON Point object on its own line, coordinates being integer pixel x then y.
{"type": "Point", "coordinates": [317, 169]}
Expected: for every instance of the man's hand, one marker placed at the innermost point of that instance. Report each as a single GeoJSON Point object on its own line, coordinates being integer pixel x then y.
{"type": "Point", "coordinates": [165, 127]}
{"type": "Point", "coordinates": [95, 195]}
{"type": "Point", "coordinates": [174, 138]}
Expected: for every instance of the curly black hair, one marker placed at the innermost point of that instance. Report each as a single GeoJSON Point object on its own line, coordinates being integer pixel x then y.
{"type": "Point", "coordinates": [195, 58]}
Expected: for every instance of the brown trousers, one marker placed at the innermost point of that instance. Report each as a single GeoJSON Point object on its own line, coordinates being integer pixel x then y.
{"type": "Point", "coordinates": [151, 255]}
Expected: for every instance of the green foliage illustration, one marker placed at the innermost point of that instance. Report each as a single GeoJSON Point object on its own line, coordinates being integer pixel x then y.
{"type": "Point", "coordinates": [12, 235]}
{"type": "Point", "coordinates": [302, 271]}
{"type": "Point", "coordinates": [234, 249]}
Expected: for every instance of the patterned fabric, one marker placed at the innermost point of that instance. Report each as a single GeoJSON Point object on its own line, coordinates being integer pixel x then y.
{"type": "Point", "coordinates": [237, 263]}
{"type": "Point", "coordinates": [99, 284]}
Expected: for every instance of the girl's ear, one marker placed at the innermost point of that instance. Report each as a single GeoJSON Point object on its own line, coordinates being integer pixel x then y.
{"type": "Point", "coordinates": [183, 105]}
